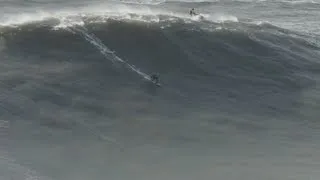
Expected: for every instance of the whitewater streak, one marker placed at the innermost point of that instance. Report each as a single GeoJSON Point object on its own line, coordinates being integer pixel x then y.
{"type": "Point", "coordinates": [105, 51]}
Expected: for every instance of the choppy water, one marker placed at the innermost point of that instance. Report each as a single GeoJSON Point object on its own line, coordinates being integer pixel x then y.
{"type": "Point", "coordinates": [239, 98]}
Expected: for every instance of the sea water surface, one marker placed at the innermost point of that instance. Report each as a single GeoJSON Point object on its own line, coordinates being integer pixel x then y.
{"type": "Point", "coordinates": [239, 100]}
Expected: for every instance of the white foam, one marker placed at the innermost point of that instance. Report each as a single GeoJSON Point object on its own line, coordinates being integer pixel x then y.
{"type": "Point", "coordinates": [104, 11]}
{"type": "Point", "coordinates": [23, 18]}
{"type": "Point", "coordinates": [220, 18]}
{"type": "Point", "coordinates": [249, 1]}
{"type": "Point", "coordinates": [150, 2]}
{"type": "Point", "coordinates": [191, 1]}
{"type": "Point", "coordinates": [260, 23]}
{"type": "Point", "coordinates": [156, 2]}
{"type": "Point", "coordinates": [300, 1]}
{"type": "Point", "coordinates": [67, 22]}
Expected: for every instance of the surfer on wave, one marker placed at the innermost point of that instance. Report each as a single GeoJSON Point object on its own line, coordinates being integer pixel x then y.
{"type": "Point", "coordinates": [154, 78]}
{"type": "Point", "coordinates": [192, 12]}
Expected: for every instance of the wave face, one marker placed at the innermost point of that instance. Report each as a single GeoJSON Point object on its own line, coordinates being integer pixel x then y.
{"type": "Point", "coordinates": [252, 66]}
{"type": "Point", "coordinates": [76, 89]}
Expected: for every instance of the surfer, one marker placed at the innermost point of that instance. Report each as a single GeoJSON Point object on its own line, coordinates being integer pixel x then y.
{"type": "Point", "coordinates": [192, 12]}
{"type": "Point", "coordinates": [154, 78]}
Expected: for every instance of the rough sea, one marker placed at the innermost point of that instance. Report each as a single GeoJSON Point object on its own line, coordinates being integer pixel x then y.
{"type": "Point", "coordinates": [239, 96]}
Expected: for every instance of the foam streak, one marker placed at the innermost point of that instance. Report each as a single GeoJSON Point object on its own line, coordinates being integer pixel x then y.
{"type": "Point", "coordinates": [105, 50]}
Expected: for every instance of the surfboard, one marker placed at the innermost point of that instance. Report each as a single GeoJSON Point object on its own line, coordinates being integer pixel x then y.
{"type": "Point", "coordinates": [157, 84]}
{"type": "Point", "coordinates": [154, 82]}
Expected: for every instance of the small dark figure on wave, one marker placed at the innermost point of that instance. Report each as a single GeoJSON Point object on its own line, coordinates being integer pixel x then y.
{"type": "Point", "coordinates": [154, 78]}
{"type": "Point", "coordinates": [192, 12]}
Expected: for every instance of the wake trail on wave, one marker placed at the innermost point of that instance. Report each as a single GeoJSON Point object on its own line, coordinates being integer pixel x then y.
{"type": "Point", "coordinates": [105, 51]}
{"type": "Point", "coordinates": [109, 54]}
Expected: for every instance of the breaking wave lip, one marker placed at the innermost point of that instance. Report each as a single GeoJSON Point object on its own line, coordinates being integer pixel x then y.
{"type": "Point", "coordinates": [157, 2]}
{"type": "Point", "coordinates": [300, 1]}
{"type": "Point", "coordinates": [148, 2]}
{"type": "Point", "coordinates": [114, 11]}
{"type": "Point", "coordinates": [281, 1]}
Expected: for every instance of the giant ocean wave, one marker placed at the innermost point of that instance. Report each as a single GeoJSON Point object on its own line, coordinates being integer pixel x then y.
{"type": "Point", "coordinates": [239, 90]}
{"type": "Point", "coordinates": [262, 61]}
